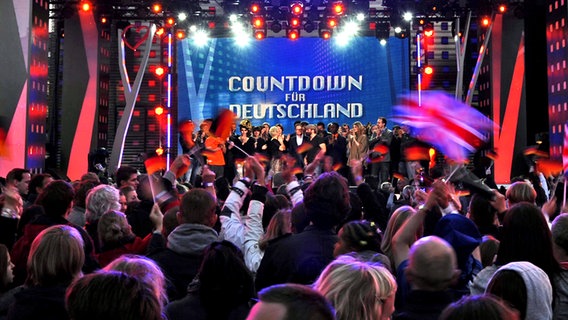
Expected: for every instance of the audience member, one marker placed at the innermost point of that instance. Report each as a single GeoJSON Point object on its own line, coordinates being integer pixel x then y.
{"type": "Point", "coordinates": [112, 295]}
{"type": "Point", "coordinates": [524, 287]}
{"type": "Point", "coordinates": [78, 212]}
{"type": "Point", "coordinates": [6, 269]}
{"type": "Point", "coordinates": [358, 290]}
{"type": "Point", "coordinates": [361, 240]}
{"type": "Point", "coordinates": [37, 183]}
{"type": "Point", "coordinates": [481, 307]}
{"type": "Point", "coordinates": [55, 260]}
{"type": "Point", "coordinates": [19, 179]}
{"type": "Point", "coordinates": [221, 290]}
{"type": "Point", "coordinates": [126, 176]}
{"type": "Point", "coordinates": [560, 251]}
{"type": "Point", "coordinates": [396, 221]}
{"type": "Point", "coordinates": [101, 199]}
{"type": "Point", "coordinates": [291, 302]}
{"type": "Point", "coordinates": [183, 254]}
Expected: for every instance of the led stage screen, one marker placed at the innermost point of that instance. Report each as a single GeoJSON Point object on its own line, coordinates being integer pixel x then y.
{"type": "Point", "coordinates": [277, 80]}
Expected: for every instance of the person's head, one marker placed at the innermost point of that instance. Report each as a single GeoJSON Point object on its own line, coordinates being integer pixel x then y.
{"type": "Point", "coordinates": [520, 191]}
{"type": "Point", "coordinates": [358, 128]}
{"type": "Point", "coordinates": [280, 224]}
{"type": "Point", "coordinates": [357, 236]}
{"type": "Point", "coordinates": [56, 198]}
{"type": "Point", "coordinates": [199, 207]}
{"type": "Point", "coordinates": [333, 127]}
{"type": "Point", "coordinates": [6, 268]}
{"type": "Point", "coordinates": [112, 295]}
{"type": "Point", "coordinates": [488, 250]}
{"type": "Point", "coordinates": [560, 237]}
{"type": "Point", "coordinates": [20, 179]}
{"type": "Point", "coordinates": [291, 302]}
{"type": "Point", "coordinates": [479, 307]}
{"type": "Point", "coordinates": [90, 176]}
{"type": "Point", "coordinates": [129, 193]}
{"type": "Point", "coordinates": [525, 236]}
{"type": "Point", "coordinates": [298, 129]}
{"type": "Point", "coordinates": [256, 131]}
{"type": "Point", "coordinates": [358, 290]}
{"type": "Point", "coordinates": [126, 176]}
{"type": "Point", "coordinates": [145, 270]}
{"type": "Point", "coordinates": [38, 182]}
{"type": "Point", "coordinates": [101, 199]}
{"type": "Point", "coordinates": [274, 131]}
{"type": "Point", "coordinates": [81, 191]}
{"type": "Point", "coordinates": [56, 257]}
{"type": "Point", "coordinates": [397, 219]}
{"type": "Point", "coordinates": [310, 129]}
{"type": "Point", "coordinates": [327, 200]}
{"type": "Point", "coordinates": [524, 287]}
{"type": "Point", "coordinates": [223, 276]}
{"type": "Point", "coordinates": [382, 123]}
{"type": "Point", "coordinates": [432, 264]}
{"type": "Point", "coordinates": [481, 212]}
{"type": "Point", "coordinates": [113, 229]}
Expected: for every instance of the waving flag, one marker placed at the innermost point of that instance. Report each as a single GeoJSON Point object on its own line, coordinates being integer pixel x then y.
{"type": "Point", "coordinates": [450, 125]}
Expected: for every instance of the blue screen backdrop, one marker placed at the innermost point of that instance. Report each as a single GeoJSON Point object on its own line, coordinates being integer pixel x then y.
{"type": "Point", "coordinates": [277, 80]}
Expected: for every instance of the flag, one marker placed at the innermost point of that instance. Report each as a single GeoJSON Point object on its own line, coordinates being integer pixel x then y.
{"type": "Point", "coordinates": [155, 164]}
{"type": "Point", "coordinates": [450, 125]}
{"type": "Point", "coordinates": [381, 148]}
{"type": "Point", "coordinates": [549, 167]}
{"type": "Point", "coordinates": [417, 153]}
{"type": "Point", "coordinates": [305, 147]}
{"type": "Point", "coordinates": [221, 126]}
{"type": "Point", "coordinates": [565, 151]}
{"type": "Point", "coordinates": [534, 151]}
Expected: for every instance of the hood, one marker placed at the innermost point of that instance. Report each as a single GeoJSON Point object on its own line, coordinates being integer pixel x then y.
{"type": "Point", "coordinates": [190, 238]}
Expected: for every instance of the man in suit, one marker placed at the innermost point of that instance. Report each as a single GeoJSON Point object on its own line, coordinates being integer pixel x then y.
{"type": "Point", "coordinates": [337, 149]}
{"type": "Point", "coordinates": [297, 140]}
{"type": "Point", "coordinates": [384, 137]}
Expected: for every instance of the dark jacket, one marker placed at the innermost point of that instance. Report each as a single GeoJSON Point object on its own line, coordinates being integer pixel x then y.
{"type": "Point", "coordinates": [39, 303]}
{"type": "Point", "coordinates": [299, 258]}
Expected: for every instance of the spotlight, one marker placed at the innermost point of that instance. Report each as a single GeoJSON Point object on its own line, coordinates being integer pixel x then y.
{"type": "Point", "coordinates": [293, 34]}
{"type": "Point", "coordinates": [200, 38]}
{"type": "Point", "coordinates": [325, 34]}
{"type": "Point", "coordinates": [180, 34]}
{"type": "Point", "coordinates": [170, 21]}
{"type": "Point", "coordinates": [159, 151]}
{"type": "Point", "coordinates": [485, 21]}
{"type": "Point", "coordinates": [295, 22]}
{"type": "Point", "coordinates": [104, 20]}
{"type": "Point", "coordinates": [259, 34]}
{"type": "Point", "coordinates": [159, 110]}
{"type": "Point", "coordinates": [502, 8]}
{"type": "Point", "coordinates": [332, 22]}
{"type": "Point", "coordinates": [407, 16]}
{"type": "Point", "coordinates": [255, 7]}
{"type": "Point", "coordinates": [338, 8]}
{"type": "Point", "coordinates": [160, 31]}
{"type": "Point", "coordinates": [157, 8]}
{"type": "Point", "coordinates": [276, 27]}
{"type": "Point", "coordinates": [427, 70]}
{"type": "Point", "coordinates": [297, 8]}
{"type": "Point", "coordinates": [159, 71]}
{"type": "Point", "coordinates": [182, 16]}
{"type": "Point", "coordinates": [428, 30]}
{"type": "Point", "coordinates": [258, 22]}
{"type": "Point", "coordinates": [360, 16]}
{"type": "Point", "coordinates": [85, 6]}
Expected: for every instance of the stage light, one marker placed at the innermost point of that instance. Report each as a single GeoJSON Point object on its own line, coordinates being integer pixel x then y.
{"type": "Point", "coordinates": [360, 17]}
{"type": "Point", "coordinates": [157, 8]}
{"type": "Point", "coordinates": [160, 31]}
{"type": "Point", "coordinates": [485, 21]}
{"type": "Point", "coordinates": [170, 21]}
{"type": "Point", "coordinates": [325, 34]}
{"type": "Point", "coordinates": [383, 42]}
{"type": "Point", "coordinates": [85, 6]}
{"type": "Point", "coordinates": [104, 20]}
{"type": "Point", "coordinates": [295, 22]}
{"type": "Point", "coordinates": [258, 22]}
{"type": "Point", "coordinates": [407, 16]}
{"type": "Point", "coordinates": [351, 28]}
{"type": "Point", "coordinates": [428, 30]}
{"type": "Point", "coordinates": [259, 34]}
{"type": "Point", "coordinates": [159, 110]}
{"type": "Point", "coordinates": [338, 8]}
{"type": "Point", "coordinates": [211, 24]}
{"type": "Point", "coordinates": [400, 33]}
{"type": "Point", "coordinates": [255, 8]}
{"type": "Point", "coordinates": [502, 8]}
{"type": "Point", "coordinates": [397, 29]}
{"type": "Point", "coordinates": [180, 34]}
{"type": "Point", "coordinates": [297, 8]}
{"type": "Point", "coordinates": [233, 18]}
{"type": "Point", "coordinates": [276, 27]}
{"type": "Point", "coordinates": [200, 38]}
{"type": "Point", "coordinates": [427, 70]}
{"type": "Point", "coordinates": [182, 16]}
{"type": "Point", "coordinates": [293, 34]}
{"type": "Point", "coordinates": [332, 22]}
{"type": "Point", "coordinates": [159, 151]}
{"type": "Point", "coordinates": [159, 71]}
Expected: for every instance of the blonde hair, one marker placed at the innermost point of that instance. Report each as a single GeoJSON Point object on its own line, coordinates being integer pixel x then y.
{"type": "Point", "coordinates": [113, 228]}
{"type": "Point", "coordinates": [143, 269]}
{"type": "Point", "coordinates": [399, 216]}
{"type": "Point", "coordinates": [360, 128]}
{"type": "Point", "coordinates": [356, 289]}
{"type": "Point", "coordinates": [273, 131]}
{"type": "Point", "coordinates": [521, 191]}
{"type": "Point", "coordinates": [56, 257]}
